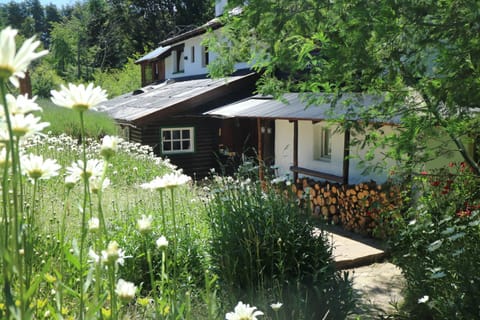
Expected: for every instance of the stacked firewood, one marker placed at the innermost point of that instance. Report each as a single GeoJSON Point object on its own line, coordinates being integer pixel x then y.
{"type": "Point", "coordinates": [357, 208]}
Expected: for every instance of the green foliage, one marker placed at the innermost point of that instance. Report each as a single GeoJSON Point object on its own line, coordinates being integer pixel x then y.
{"type": "Point", "coordinates": [65, 121]}
{"type": "Point", "coordinates": [117, 82]}
{"type": "Point", "coordinates": [437, 246]}
{"type": "Point", "coordinates": [417, 55]}
{"type": "Point", "coordinates": [44, 79]}
{"type": "Point", "coordinates": [272, 253]}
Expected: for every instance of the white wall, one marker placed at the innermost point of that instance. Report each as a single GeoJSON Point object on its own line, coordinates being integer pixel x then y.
{"type": "Point", "coordinates": [284, 152]}
{"type": "Point", "coordinates": [192, 68]}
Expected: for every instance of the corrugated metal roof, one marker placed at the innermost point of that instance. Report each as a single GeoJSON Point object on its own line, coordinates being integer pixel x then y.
{"type": "Point", "coordinates": [154, 54]}
{"type": "Point", "coordinates": [295, 108]}
{"type": "Point", "coordinates": [154, 99]}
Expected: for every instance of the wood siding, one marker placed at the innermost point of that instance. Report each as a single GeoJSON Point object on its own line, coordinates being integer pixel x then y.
{"type": "Point", "coordinates": [196, 164]}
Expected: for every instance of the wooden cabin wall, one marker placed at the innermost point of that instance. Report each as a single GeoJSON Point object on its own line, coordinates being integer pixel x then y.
{"type": "Point", "coordinates": [196, 164]}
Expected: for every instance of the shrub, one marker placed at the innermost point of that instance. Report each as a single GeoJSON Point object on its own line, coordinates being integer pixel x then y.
{"type": "Point", "coordinates": [437, 246]}
{"type": "Point", "coordinates": [263, 249]}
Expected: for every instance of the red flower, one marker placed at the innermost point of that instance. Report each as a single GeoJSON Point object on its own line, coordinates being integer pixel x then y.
{"type": "Point", "coordinates": [435, 183]}
{"type": "Point", "coordinates": [424, 172]}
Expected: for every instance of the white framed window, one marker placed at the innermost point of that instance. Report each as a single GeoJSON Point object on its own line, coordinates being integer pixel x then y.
{"type": "Point", "coordinates": [205, 57]}
{"type": "Point", "coordinates": [322, 143]}
{"type": "Point", "coordinates": [177, 140]}
{"type": "Point", "coordinates": [178, 58]}
{"type": "Point", "coordinates": [192, 54]}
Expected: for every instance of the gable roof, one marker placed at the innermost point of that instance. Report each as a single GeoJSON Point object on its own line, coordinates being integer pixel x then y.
{"type": "Point", "coordinates": [157, 101]}
{"type": "Point", "coordinates": [293, 107]}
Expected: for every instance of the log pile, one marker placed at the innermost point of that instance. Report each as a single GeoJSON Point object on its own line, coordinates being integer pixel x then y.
{"type": "Point", "coordinates": [357, 208]}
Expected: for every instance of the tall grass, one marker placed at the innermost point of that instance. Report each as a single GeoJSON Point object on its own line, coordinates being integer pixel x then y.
{"type": "Point", "coordinates": [272, 253]}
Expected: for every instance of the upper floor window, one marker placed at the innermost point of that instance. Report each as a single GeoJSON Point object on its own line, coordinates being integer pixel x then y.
{"type": "Point", "coordinates": [322, 143]}
{"type": "Point", "coordinates": [177, 140]}
{"type": "Point", "coordinates": [205, 57]}
{"type": "Point", "coordinates": [178, 58]}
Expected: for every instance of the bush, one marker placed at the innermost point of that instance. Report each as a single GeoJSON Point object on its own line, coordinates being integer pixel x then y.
{"type": "Point", "coordinates": [272, 254]}
{"type": "Point", "coordinates": [437, 246]}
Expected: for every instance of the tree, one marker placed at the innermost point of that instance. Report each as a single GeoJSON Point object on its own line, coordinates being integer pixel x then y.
{"type": "Point", "coordinates": [423, 57]}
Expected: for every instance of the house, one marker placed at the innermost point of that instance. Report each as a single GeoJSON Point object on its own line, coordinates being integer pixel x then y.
{"type": "Point", "coordinates": [202, 123]}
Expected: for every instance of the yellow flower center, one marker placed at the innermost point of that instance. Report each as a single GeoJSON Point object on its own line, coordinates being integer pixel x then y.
{"type": "Point", "coordinates": [80, 107]}
{"type": "Point", "coordinates": [6, 72]}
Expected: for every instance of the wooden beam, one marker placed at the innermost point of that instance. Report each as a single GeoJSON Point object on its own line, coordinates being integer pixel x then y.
{"type": "Point", "coordinates": [346, 155]}
{"type": "Point", "coordinates": [261, 175]}
{"type": "Point", "coordinates": [295, 149]}
{"type": "Point", "coordinates": [318, 174]}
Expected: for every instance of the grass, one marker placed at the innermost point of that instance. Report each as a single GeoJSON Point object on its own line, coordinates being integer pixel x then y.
{"type": "Point", "coordinates": [65, 121]}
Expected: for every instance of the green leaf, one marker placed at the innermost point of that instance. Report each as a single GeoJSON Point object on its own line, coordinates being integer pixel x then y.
{"type": "Point", "coordinates": [435, 245]}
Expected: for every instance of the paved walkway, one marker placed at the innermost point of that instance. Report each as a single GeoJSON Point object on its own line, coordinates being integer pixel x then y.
{"type": "Point", "coordinates": [377, 282]}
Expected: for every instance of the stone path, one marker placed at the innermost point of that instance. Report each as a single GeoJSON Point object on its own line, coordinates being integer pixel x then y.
{"type": "Point", "coordinates": [377, 282]}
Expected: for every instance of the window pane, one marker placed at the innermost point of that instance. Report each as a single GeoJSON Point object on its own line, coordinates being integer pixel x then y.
{"type": "Point", "coordinates": [176, 145]}
{"type": "Point", "coordinates": [167, 135]}
{"type": "Point", "coordinates": [186, 145]}
{"type": "Point", "coordinates": [185, 134]}
{"type": "Point", "coordinates": [167, 146]}
{"type": "Point", "coordinates": [176, 134]}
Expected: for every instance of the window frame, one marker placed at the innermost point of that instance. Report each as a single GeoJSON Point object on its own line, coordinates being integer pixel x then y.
{"type": "Point", "coordinates": [205, 57]}
{"type": "Point", "coordinates": [191, 138]}
{"type": "Point", "coordinates": [178, 59]}
{"type": "Point", "coordinates": [322, 144]}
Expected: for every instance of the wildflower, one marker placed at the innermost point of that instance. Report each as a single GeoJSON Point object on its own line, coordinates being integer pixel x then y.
{"type": "Point", "coordinates": [243, 312]}
{"type": "Point", "coordinates": [156, 184]}
{"type": "Point", "coordinates": [94, 257]}
{"type": "Point", "coordinates": [36, 167]}
{"type": "Point", "coordinates": [113, 254]}
{"type": "Point", "coordinates": [26, 125]}
{"type": "Point", "coordinates": [109, 146]}
{"type": "Point", "coordinates": [93, 224]}
{"type": "Point", "coordinates": [71, 180]}
{"type": "Point", "coordinates": [94, 184]}
{"type": "Point", "coordinates": [13, 64]}
{"type": "Point", "coordinates": [79, 98]}
{"type": "Point", "coordinates": [169, 180]}
{"type": "Point", "coordinates": [125, 290]}
{"type": "Point", "coordinates": [276, 306]}
{"type": "Point", "coordinates": [145, 224]}
{"type": "Point", "coordinates": [423, 299]}
{"type": "Point", "coordinates": [94, 169]}
{"type": "Point", "coordinates": [162, 242]}
{"type": "Point", "coordinates": [20, 104]}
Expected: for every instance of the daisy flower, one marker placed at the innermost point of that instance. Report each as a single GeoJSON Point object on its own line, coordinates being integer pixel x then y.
{"type": "Point", "coordinates": [144, 224]}
{"type": "Point", "coordinates": [13, 64]}
{"type": "Point", "coordinates": [21, 104]}
{"type": "Point", "coordinates": [125, 290]}
{"type": "Point", "coordinates": [109, 146]}
{"type": "Point", "coordinates": [94, 169]}
{"type": "Point", "coordinates": [243, 312]}
{"type": "Point", "coordinates": [79, 98]}
{"type": "Point", "coordinates": [162, 242]}
{"type": "Point", "coordinates": [27, 125]}
{"type": "Point", "coordinates": [35, 167]}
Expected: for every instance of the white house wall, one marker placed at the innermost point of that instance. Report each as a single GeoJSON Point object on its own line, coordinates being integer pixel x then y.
{"type": "Point", "coordinates": [196, 67]}
{"type": "Point", "coordinates": [284, 152]}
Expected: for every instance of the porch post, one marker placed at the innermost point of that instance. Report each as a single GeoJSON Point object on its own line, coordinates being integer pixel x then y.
{"type": "Point", "coordinates": [295, 149]}
{"type": "Point", "coordinates": [346, 154]}
{"type": "Point", "coordinates": [260, 150]}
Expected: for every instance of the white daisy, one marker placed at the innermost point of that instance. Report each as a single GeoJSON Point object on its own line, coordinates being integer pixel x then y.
{"type": "Point", "coordinates": [144, 224]}
{"type": "Point", "coordinates": [162, 242]}
{"type": "Point", "coordinates": [26, 125]}
{"type": "Point", "coordinates": [79, 98]}
{"type": "Point", "coordinates": [109, 146]}
{"type": "Point", "coordinates": [13, 64]}
{"type": "Point", "coordinates": [36, 167]}
{"type": "Point", "coordinates": [20, 105]}
{"type": "Point", "coordinates": [94, 169]}
{"type": "Point", "coordinates": [125, 290]}
{"type": "Point", "coordinates": [244, 312]}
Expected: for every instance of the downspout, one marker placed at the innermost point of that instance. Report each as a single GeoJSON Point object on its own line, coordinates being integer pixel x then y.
{"type": "Point", "coordinates": [261, 174]}
{"type": "Point", "coordinates": [295, 149]}
{"type": "Point", "coordinates": [346, 156]}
